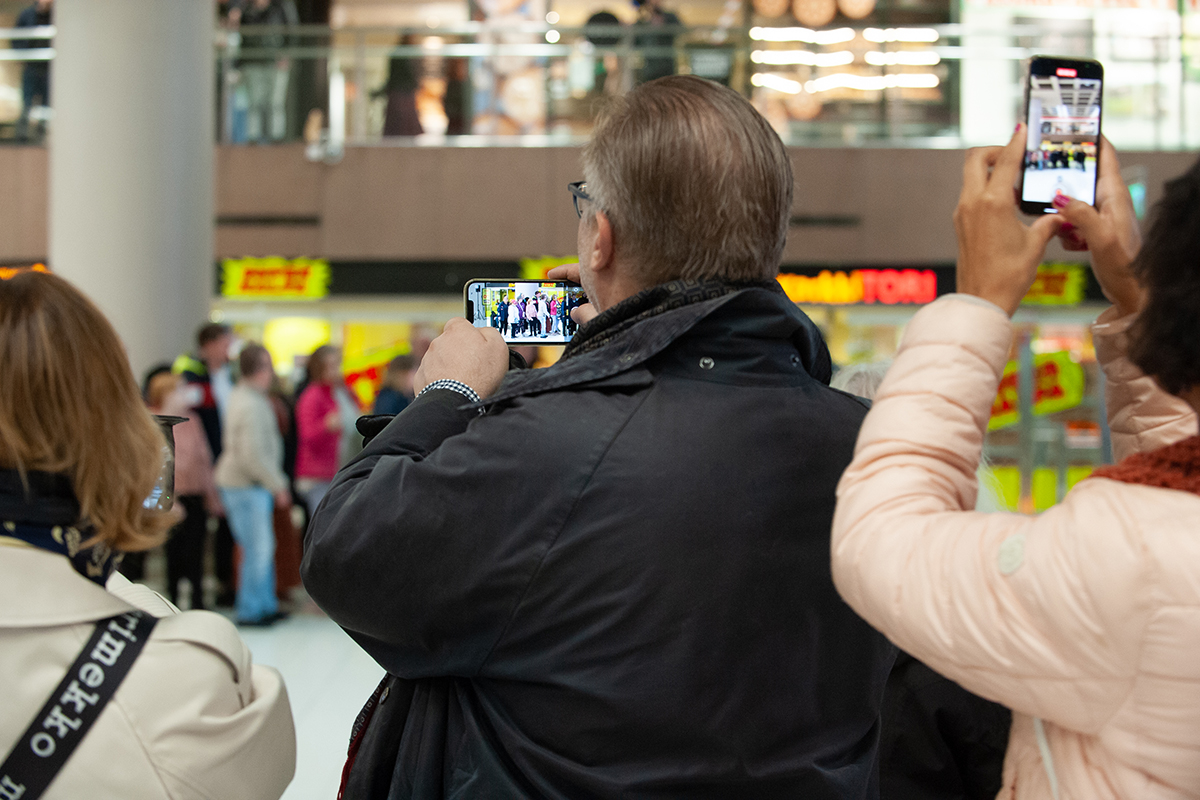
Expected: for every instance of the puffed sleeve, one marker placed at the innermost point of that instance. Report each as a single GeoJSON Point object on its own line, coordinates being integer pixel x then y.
{"type": "Point", "coordinates": [1141, 415]}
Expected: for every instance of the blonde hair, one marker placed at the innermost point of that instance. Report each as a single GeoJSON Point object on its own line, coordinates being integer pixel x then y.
{"type": "Point", "coordinates": [160, 386]}
{"type": "Point", "coordinates": [694, 181]}
{"type": "Point", "coordinates": [69, 405]}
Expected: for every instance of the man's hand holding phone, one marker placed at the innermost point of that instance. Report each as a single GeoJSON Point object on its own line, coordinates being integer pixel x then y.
{"type": "Point", "coordinates": [1109, 230]}
{"type": "Point", "coordinates": [570, 272]}
{"type": "Point", "coordinates": [477, 357]}
{"type": "Point", "coordinates": [998, 255]}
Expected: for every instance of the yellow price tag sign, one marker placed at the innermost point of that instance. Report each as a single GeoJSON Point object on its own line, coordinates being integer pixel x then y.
{"type": "Point", "coordinates": [1057, 285]}
{"type": "Point", "coordinates": [1058, 384]}
{"type": "Point", "coordinates": [275, 278]}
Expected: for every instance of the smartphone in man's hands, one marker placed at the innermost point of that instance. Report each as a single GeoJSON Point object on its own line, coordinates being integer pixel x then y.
{"type": "Point", "coordinates": [525, 312]}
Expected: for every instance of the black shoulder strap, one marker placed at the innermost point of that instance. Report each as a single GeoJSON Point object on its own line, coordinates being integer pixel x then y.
{"type": "Point", "coordinates": [62, 723]}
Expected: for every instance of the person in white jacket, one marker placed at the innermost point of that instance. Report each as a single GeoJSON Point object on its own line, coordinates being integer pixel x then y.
{"type": "Point", "coordinates": [79, 454]}
{"type": "Point", "coordinates": [252, 482]}
{"type": "Point", "coordinates": [1085, 619]}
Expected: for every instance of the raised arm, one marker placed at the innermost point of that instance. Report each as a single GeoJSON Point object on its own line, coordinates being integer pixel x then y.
{"type": "Point", "coordinates": [1014, 608]}
{"type": "Point", "coordinates": [1140, 414]}
{"type": "Point", "coordinates": [1006, 605]}
{"type": "Point", "coordinates": [426, 541]}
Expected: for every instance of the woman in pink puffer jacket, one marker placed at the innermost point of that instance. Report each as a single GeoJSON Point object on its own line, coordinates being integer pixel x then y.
{"type": "Point", "coordinates": [1085, 620]}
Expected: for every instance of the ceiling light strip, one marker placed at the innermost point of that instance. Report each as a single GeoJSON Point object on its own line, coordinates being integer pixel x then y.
{"type": "Point", "coordinates": [808, 35]}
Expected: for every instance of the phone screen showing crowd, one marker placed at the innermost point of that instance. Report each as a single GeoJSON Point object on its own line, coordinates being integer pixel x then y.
{"type": "Point", "coordinates": [525, 312]}
{"type": "Point", "coordinates": [1063, 131]}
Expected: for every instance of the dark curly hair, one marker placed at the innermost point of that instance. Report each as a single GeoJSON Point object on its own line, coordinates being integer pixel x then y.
{"type": "Point", "coordinates": [1165, 340]}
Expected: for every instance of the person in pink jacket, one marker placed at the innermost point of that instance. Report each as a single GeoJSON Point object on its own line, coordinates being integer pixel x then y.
{"type": "Point", "coordinates": [1084, 620]}
{"type": "Point", "coordinates": [318, 426]}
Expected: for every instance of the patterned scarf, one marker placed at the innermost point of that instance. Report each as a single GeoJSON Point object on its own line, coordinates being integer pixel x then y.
{"type": "Point", "coordinates": [41, 511]}
{"type": "Point", "coordinates": [612, 322]}
{"type": "Point", "coordinates": [96, 563]}
{"type": "Point", "coordinates": [1176, 466]}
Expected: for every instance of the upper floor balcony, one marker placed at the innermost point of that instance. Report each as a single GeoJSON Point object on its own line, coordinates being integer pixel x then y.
{"type": "Point", "coordinates": [825, 73]}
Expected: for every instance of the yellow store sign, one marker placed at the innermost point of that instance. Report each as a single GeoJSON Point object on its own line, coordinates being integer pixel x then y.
{"type": "Point", "coordinates": [275, 278]}
{"type": "Point", "coordinates": [1058, 384]}
{"type": "Point", "coordinates": [1057, 285]}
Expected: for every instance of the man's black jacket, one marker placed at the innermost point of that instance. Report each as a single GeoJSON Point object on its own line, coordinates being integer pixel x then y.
{"type": "Point", "coordinates": [616, 583]}
{"type": "Point", "coordinates": [939, 741]}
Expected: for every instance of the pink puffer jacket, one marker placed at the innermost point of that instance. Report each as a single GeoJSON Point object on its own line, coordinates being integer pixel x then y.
{"type": "Point", "coordinates": [1085, 620]}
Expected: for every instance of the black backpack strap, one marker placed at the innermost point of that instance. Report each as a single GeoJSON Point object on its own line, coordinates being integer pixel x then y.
{"type": "Point", "coordinates": [67, 716]}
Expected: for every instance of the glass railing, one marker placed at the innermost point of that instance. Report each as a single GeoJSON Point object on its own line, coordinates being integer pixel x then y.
{"type": "Point", "coordinates": [538, 82]}
{"type": "Point", "coordinates": [943, 85]}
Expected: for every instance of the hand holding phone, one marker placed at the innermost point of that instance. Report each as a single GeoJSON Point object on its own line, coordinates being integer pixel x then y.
{"type": "Point", "coordinates": [1063, 98]}
{"type": "Point", "coordinates": [474, 356]}
{"type": "Point", "coordinates": [570, 273]}
{"type": "Point", "coordinates": [1110, 231]}
{"type": "Point", "coordinates": [998, 254]}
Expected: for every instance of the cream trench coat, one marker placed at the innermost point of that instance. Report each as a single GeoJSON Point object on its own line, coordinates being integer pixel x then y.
{"type": "Point", "coordinates": [194, 717]}
{"type": "Point", "coordinates": [1084, 619]}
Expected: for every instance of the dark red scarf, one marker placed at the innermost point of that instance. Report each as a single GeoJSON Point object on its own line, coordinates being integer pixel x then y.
{"type": "Point", "coordinates": [1176, 466]}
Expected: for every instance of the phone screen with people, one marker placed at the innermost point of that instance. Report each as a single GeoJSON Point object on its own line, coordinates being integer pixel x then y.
{"type": "Point", "coordinates": [1062, 101]}
{"type": "Point", "coordinates": [525, 312]}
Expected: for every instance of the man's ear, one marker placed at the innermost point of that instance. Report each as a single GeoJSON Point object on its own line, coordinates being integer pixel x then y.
{"type": "Point", "coordinates": [602, 246]}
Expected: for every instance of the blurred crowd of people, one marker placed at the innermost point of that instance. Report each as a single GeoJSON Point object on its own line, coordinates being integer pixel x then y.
{"type": "Point", "coordinates": [1064, 157]}
{"type": "Point", "coordinates": [249, 450]}
{"type": "Point", "coordinates": [534, 316]}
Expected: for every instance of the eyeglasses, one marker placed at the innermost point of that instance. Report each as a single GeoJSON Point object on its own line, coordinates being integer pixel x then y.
{"type": "Point", "coordinates": [578, 191]}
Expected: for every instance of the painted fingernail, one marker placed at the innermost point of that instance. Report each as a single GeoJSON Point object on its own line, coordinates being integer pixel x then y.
{"type": "Point", "coordinates": [1017, 128]}
{"type": "Point", "coordinates": [1067, 227]}
{"type": "Point", "coordinates": [1061, 201]}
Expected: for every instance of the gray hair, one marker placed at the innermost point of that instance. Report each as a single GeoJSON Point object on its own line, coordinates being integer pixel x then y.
{"type": "Point", "coordinates": [864, 380]}
{"type": "Point", "coordinates": [861, 379]}
{"type": "Point", "coordinates": [695, 183]}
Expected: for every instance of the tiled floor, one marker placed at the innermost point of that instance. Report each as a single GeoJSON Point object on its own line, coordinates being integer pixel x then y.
{"type": "Point", "coordinates": [328, 679]}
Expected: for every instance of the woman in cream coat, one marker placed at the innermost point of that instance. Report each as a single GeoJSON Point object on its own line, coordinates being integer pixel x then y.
{"type": "Point", "coordinates": [194, 718]}
{"type": "Point", "coordinates": [1084, 620]}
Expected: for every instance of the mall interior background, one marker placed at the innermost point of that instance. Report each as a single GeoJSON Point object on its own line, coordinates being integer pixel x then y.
{"type": "Point", "coordinates": [340, 177]}
{"type": "Point", "coordinates": [370, 156]}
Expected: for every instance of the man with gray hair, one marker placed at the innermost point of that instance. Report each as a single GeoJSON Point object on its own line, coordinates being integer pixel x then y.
{"type": "Point", "coordinates": [610, 578]}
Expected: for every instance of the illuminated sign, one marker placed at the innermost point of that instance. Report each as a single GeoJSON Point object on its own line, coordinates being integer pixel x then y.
{"type": "Point", "coordinates": [829, 287]}
{"type": "Point", "coordinates": [364, 373]}
{"type": "Point", "coordinates": [1057, 285]}
{"type": "Point", "coordinates": [275, 278]}
{"type": "Point", "coordinates": [869, 286]}
{"type": "Point", "coordinates": [1065, 72]}
{"type": "Point", "coordinates": [367, 347]}
{"type": "Point", "coordinates": [8, 272]}
{"type": "Point", "coordinates": [535, 269]}
{"type": "Point", "coordinates": [1058, 383]}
